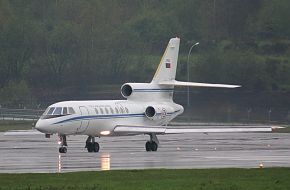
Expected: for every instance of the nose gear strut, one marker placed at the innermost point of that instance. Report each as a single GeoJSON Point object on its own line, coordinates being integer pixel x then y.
{"type": "Point", "coordinates": [63, 144]}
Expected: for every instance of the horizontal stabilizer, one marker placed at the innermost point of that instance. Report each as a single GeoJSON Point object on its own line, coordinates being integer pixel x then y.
{"type": "Point", "coordinates": [196, 84]}
{"type": "Point", "coordinates": [177, 130]}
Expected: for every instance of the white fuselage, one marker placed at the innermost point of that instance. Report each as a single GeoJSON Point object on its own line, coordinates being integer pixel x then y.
{"type": "Point", "coordinates": [99, 118]}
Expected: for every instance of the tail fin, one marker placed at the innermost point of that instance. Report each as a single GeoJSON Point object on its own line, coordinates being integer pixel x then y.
{"type": "Point", "coordinates": [166, 70]}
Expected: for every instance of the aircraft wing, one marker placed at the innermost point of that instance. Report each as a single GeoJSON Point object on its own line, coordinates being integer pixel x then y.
{"type": "Point", "coordinates": [139, 129]}
{"type": "Point", "coordinates": [179, 129]}
{"type": "Point", "coordinates": [197, 84]}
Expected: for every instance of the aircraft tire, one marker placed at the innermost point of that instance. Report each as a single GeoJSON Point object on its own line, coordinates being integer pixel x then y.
{"type": "Point", "coordinates": [90, 147]}
{"type": "Point", "coordinates": [153, 146]}
{"type": "Point", "coordinates": [148, 146]}
{"type": "Point", "coordinates": [96, 147]}
{"type": "Point", "coordinates": [62, 150]}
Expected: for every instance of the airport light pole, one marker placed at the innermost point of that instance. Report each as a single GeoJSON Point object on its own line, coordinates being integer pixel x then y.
{"type": "Point", "coordinates": [189, 52]}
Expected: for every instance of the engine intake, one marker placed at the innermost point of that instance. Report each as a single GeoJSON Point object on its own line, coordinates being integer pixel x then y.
{"type": "Point", "coordinates": [150, 112]}
{"type": "Point", "coordinates": [158, 112]}
{"type": "Point", "coordinates": [145, 91]}
{"type": "Point", "coordinates": [126, 90]}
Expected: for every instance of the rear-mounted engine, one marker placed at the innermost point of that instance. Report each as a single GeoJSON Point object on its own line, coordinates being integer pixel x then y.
{"type": "Point", "coordinates": [158, 112]}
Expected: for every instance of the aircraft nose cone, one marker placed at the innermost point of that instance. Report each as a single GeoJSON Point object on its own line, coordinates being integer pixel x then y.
{"type": "Point", "coordinates": [40, 126]}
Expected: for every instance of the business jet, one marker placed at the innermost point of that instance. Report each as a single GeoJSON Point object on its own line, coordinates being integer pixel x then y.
{"type": "Point", "coordinates": [148, 108]}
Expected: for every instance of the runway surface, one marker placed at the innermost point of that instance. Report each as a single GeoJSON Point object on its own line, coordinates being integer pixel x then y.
{"type": "Point", "coordinates": [34, 153]}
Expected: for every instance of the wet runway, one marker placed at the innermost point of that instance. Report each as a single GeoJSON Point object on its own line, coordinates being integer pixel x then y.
{"type": "Point", "coordinates": [34, 153]}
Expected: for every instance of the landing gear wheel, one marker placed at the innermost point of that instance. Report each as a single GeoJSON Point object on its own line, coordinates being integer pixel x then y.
{"type": "Point", "coordinates": [62, 149]}
{"type": "Point", "coordinates": [154, 146]}
{"type": "Point", "coordinates": [147, 146]}
{"type": "Point", "coordinates": [151, 146]}
{"type": "Point", "coordinates": [96, 147]}
{"type": "Point", "coordinates": [62, 144]}
{"type": "Point", "coordinates": [91, 145]}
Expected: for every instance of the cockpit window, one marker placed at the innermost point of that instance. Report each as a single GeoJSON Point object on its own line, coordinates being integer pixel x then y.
{"type": "Point", "coordinates": [57, 111]}
{"type": "Point", "coordinates": [53, 112]}
{"type": "Point", "coordinates": [71, 110]}
{"type": "Point", "coordinates": [50, 111]}
{"type": "Point", "coordinates": [45, 112]}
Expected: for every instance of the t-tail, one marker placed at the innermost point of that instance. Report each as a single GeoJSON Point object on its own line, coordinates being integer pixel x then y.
{"type": "Point", "coordinates": [163, 82]}
{"type": "Point", "coordinates": [166, 71]}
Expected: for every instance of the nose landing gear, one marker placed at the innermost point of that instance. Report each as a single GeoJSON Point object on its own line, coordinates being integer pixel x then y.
{"type": "Point", "coordinates": [62, 143]}
{"type": "Point", "coordinates": [91, 145]}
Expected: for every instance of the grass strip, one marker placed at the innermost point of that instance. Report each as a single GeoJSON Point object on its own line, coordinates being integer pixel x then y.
{"type": "Point", "coordinates": [199, 179]}
{"type": "Point", "coordinates": [6, 125]}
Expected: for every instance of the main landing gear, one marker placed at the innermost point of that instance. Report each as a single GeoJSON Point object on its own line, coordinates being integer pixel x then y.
{"type": "Point", "coordinates": [91, 145]}
{"type": "Point", "coordinates": [152, 145]}
{"type": "Point", "coordinates": [62, 143]}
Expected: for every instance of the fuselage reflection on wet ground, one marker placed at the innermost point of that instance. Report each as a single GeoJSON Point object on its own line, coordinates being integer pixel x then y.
{"type": "Point", "coordinates": [20, 154]}
{"type": "Point", "coordinates": [105, 162]}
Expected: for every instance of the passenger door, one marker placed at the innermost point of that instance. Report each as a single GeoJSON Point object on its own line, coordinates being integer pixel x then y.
{"type": "Point", "coordinates": [84, 119]}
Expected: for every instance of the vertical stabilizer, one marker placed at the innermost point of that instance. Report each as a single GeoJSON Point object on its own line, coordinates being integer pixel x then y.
{"type": "Point", "coordinates": [166, 70]}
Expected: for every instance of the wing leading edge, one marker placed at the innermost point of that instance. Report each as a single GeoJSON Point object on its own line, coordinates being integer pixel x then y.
{"type": "Point", "coordinates": [177, 130]}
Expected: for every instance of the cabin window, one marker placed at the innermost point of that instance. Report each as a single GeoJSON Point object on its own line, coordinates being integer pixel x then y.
{"type": "Point", "coordinates": [112, 111]}
{"type": "Point", "coordinates": [107, 111]}
{"type": "Point", "coordinates": [117, 111]}
{"type": "Point", "coordinates": [101, 109]}
{"type": "Point", "coordinates": [71, 110]}
{"type": "Point", "coordinates": [96, 110]}
{"type": "Point", "coordinates": [64, 111]}
{"type": "Point", "coordinates": [127, 111]}
{"type": "Point", "coordinates": [121, 110]}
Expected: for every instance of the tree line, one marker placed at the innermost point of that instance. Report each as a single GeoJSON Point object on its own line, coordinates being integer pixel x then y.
{"type": "Point", "coordinates": [62, 48]}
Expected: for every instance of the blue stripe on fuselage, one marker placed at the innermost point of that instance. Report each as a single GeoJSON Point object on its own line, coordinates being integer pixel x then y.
{"type": "Point", "coordinates": [90, 117]}
{"type": "Point", "coordinates": [154, 90]}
